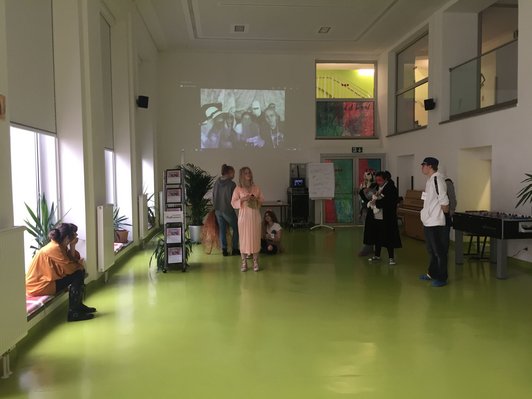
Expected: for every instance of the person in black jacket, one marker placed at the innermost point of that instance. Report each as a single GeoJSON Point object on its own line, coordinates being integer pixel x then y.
{"type": "Point", "coordinates": [384, 208]}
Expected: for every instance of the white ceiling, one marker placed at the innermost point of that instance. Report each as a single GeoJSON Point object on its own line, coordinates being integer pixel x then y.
{"type": "Point", "coordinates": [362, 26]}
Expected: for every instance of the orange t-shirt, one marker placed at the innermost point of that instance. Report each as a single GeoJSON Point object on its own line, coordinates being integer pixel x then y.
{"type": "Point", "coordinates": [49, 264]}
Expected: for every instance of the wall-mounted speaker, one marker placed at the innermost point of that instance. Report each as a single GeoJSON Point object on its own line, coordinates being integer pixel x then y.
{"type": "Point", "coordinates": [429, 104]}
{"type": "Point", "coordinates": [142, 101]}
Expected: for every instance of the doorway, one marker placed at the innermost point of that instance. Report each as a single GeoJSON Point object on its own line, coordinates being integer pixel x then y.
{"type": "Point", "coordinates": [349, 175]}
{"type": "Point", "coordinates": [477, 180]}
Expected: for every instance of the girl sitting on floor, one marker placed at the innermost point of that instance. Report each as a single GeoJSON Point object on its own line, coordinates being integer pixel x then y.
{"type": "Point", "coordinates": [271, 234]}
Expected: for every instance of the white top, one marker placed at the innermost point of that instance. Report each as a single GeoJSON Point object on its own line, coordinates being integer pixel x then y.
{"type": "Point", "coordinates": [274, 227]}
{"type": "Point", "coordinates": [432, 214]}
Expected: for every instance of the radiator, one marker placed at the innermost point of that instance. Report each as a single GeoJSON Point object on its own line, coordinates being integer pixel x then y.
{"type": "Point", "coordinates": [13, 324]}
{"type": "Point", "coordinates": [106, 237]}
{"type": "Point", "coordinates": [143, 216]}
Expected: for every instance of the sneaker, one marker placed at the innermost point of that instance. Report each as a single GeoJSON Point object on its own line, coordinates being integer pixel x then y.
{"type": "Point", "coordinates": [425, 277]}
{"type": "Point", "coordinates": [392, 262]}
{"type": "Point", "coordinates": [235, 252]}
{"type": "Point", "coordinates": [439, 283]}
{"type": "Point", "coordinates": [375, 259]}
{"type": "Point", "coordinates": [224, 252]}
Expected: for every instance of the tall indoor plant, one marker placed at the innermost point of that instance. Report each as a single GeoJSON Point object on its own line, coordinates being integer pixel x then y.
{"type": "Point", "coordinates": [197, 183]}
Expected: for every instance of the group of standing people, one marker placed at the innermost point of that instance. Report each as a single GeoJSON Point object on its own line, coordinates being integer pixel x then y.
{"type": "Point", "coordinates": [379, 198]}
{"type": "Point", "coordinates": [380, 228]}
{"type": "Point", "coordinates": [250, 236]}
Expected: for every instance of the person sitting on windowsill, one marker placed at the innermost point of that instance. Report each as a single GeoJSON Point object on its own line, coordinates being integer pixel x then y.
{"type": "Point", "coordinates": [58, 265]}
{"type": "Point", "coordinates": [271, 234]}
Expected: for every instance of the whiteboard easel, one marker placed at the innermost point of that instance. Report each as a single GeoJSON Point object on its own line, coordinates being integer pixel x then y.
{"type": "Point", "coordinates": [321, 186]}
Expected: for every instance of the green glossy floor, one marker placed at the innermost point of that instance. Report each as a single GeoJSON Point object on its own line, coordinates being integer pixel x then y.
{"type": "Point", "coordinates": [318, 322]}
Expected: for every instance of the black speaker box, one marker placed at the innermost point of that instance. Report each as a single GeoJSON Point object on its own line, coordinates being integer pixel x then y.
{"type": "Point", "coordinates": [142, 101]}
{"type": "Point", "coordinates": [429, 104]}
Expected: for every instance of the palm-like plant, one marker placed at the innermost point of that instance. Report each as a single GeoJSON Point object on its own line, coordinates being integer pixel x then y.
{"type": "Point", "coordinates": [525, 194]}
{"type": "Point", "coordinates": [119, 221]}
{"type": "Point", "coordinates": [40, 222]}
{"type": "Point", "coordinates": [198, 183]}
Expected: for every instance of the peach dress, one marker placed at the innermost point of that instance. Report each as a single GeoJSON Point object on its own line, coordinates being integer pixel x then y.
{"type": "Point", "coordinates": [249, 220]}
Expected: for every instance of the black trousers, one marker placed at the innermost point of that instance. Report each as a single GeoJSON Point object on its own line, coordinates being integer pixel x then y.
{"type": "Point", "coordinates": [378, 249]}
{"type": "Point", "coordinates": [437, 240]}
{"type": "Point", "coordinates": [264, 247]}
{"type": "Point", "coordinates": [75, 279]}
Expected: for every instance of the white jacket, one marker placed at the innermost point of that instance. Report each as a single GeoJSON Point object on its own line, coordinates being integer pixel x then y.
{"type": "Point", "coordinates": [432, 214]}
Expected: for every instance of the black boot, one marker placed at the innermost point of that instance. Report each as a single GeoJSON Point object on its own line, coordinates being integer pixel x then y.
{"type": "Point", "coordinates": [75, 312]}
{"type": "Point", "coordinates": [85, 308]}
{"type": "Point", "coordinates": [235, 252]}
{"type": "Point", "coordinates": [224, 252]}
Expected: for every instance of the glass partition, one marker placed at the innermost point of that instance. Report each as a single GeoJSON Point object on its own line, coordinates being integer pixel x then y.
{"type": "Point", "coordinates": [485, 81]}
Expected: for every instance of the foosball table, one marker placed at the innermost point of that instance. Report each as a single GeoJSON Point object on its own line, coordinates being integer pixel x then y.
{"type": "Point", "coordinates": [499, 226]}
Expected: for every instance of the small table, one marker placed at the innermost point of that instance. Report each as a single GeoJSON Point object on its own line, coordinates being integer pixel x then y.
{"type": "Point", "coordinates": [283, 209]}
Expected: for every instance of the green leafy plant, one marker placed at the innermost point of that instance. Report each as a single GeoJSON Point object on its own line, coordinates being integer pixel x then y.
{"type": "Point", "coordinates": [151, 209]}
{"type": "Point", "coordinates": [525, 194]}
{"type": "Point", "coordinates": [159, 254]}
{"type": "Point", "coordinates": [119, 221]}
{"type": "Point", "coordinates": [198, 183]}
{"type": "Point", "coordinates": [41, 221]}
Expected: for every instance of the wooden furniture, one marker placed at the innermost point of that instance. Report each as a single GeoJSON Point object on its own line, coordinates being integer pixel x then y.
{"type": "Point", "coordinates": [409, 211]}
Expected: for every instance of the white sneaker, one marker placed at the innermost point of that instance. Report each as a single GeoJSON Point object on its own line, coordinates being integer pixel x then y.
{"type": "Point", "coordinates": [392, 261]}
{"type": "Point", "coordinates": [375, 259]}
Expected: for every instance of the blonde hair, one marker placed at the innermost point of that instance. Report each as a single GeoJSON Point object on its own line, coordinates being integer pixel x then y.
{"type": "Point", "coordinates": [241, 180]}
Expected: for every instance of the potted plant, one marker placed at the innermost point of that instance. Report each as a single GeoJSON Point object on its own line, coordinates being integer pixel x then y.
{"type": "Point", "coordinates": [525, 194]}
{"type": "Point", "coordinates": [197, 183]}
{"type": "Point", "coordinates": [119, 223]}
{"type": "Point", "coordinates": [41, 221]}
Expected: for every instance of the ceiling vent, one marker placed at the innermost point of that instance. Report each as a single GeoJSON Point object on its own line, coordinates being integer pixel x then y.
{"type": "Point", "coordinates": [324, 29]}
{"type": "Point", "coordinates": [239, 28]}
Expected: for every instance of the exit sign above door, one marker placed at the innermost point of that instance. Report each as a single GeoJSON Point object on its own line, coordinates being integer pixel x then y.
{"type": "Point", "coordinates": [357, 150]}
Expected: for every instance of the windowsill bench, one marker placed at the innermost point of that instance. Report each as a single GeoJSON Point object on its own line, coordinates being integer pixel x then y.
{"type": "Point", "coordinates": [37, 304]}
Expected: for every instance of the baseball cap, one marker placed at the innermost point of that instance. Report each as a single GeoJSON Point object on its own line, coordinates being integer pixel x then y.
{"type": "Point", "coordinates": [430, 161]}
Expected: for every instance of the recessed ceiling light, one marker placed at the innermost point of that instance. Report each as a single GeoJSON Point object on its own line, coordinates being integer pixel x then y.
{"type": "Point", "coordinates": [324, 29]}
{"type": "Point", "coordinates": [239, 28]}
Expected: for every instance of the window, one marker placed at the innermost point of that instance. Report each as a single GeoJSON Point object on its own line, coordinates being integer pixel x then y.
{"type": "Point", "coordinates": [345, 100]}
{"type": "Point", "coordinates": [110, 177]}
{"type": "Point", "coordinates": [489, 80]}
{"type": "Point", "coordinates": [33, 173]}
{"type": "Point", "coordinates": [412, 86]}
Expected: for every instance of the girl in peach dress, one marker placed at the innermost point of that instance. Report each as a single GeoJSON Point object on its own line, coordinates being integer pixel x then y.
{"type": "Point", "coordinates": [247, 198]}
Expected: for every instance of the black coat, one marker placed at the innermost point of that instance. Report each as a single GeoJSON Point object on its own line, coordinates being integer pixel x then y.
{"type": "Point", "coordinates": [386, 231]}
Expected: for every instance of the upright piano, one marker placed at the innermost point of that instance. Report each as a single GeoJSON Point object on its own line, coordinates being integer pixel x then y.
{"type": "Point", "coordinates": [499, 226]}
{"type": "Point", "coordinates": [409, 211]}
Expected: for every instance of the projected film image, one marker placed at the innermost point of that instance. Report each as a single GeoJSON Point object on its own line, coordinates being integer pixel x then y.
{"type": "Point", "coordinates": [233, 118]}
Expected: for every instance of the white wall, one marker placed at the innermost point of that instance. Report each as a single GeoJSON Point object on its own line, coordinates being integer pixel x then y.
{"type": "Point", "coordinates": [179, 115]}
{"type": "Point", "coordinates": [506, 131]}
{"type": "Point", "coordinates": [6, 199]}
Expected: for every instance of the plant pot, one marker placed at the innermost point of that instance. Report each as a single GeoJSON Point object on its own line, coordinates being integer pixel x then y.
{"type": "Point", "coordinates": [121, 236]}
{"type": "Point", "coordinates": [195, 233]}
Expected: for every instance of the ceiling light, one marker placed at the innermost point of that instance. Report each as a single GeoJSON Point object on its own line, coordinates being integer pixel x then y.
{"type": "Point", "coordinates": [239, 28]}
{"type": "Point", "coordinates": [366, 72]}
{"type": "Point", "coordinates": [324, 29]}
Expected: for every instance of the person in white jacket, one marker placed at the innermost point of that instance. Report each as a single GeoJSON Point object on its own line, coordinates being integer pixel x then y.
{"type": "Point", "coordinates": [435, 206]}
